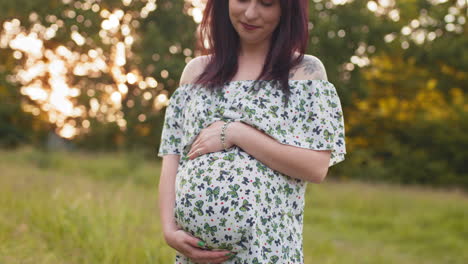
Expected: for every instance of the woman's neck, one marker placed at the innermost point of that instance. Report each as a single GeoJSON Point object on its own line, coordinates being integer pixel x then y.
{"type": "Point", "coordinates": [254, 52]}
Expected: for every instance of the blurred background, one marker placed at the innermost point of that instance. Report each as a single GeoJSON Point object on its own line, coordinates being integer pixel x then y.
{"type": "Point", "coordinates": [83, 90]}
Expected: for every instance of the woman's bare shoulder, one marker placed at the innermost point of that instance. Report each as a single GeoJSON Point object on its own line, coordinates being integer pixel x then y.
{"type": "Point", "coordinates": [193, 69]}
{"type": "Point", "coordinates": [310, 68]}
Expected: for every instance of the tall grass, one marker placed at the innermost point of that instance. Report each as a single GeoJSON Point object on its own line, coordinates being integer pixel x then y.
{"type": "Point", "coordinates": [102, 208]}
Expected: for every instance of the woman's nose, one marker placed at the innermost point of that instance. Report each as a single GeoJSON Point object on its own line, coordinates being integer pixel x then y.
{"type": "Point", "coordinates": [251, 12]}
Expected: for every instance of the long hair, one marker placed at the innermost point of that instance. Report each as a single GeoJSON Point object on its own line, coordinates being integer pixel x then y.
{"type": "Point", "coordinates": [290, 36]}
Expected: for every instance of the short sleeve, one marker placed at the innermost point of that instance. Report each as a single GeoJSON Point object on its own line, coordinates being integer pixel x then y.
{"type": "Point", "coordinates": [315, 120]}
{"type": "Point", "coordinates": [172, 131]}
{"type": "Point", "coordinates": [334, 123]}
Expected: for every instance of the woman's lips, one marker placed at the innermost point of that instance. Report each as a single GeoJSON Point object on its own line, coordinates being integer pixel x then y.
{"type": "Point", "coordinates": [249, 27]}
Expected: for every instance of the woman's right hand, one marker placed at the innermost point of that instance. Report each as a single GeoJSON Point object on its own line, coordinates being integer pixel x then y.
{"type": "Point", "coordinates": [188, 245]}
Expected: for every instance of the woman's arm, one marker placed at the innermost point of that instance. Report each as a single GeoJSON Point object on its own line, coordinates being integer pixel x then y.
{"type": "Point", "coordinates": [301, 163]}
{"type": "Point", "coordinates": [171, 162]}
{"type": "Point", "coordinates": [174, 235]}
{"type": "Point", "coordinates": [166, 193]}
{"type": "Point", "coordinates": [305, 164]}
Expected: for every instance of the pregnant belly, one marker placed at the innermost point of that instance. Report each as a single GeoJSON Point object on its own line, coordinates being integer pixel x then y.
{"type": "Point", "coordinates": [216, 199]}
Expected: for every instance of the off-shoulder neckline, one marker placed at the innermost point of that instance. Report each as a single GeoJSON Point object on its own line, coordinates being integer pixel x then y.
{"type": "Point", "coordinates": [249, 81]}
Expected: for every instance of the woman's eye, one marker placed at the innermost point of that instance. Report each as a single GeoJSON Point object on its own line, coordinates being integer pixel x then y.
{"type": "Point", "coordinates": [267, 3]}
{"type": "Point", "coordinates": [263, 2]}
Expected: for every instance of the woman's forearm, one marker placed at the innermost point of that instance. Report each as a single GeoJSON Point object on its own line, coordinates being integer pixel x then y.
{"type": "Point", "coordinates": [300, 163]}
{"type": "Point", "coordinates": [166, 192]}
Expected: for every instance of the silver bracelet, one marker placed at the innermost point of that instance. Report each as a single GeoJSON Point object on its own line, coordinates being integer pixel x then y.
{"type": "Point", "coordinates": [223, 133]}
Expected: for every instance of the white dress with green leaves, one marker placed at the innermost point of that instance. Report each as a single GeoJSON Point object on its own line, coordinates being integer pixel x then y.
{"type": "Point", "coordinates": [231, 200]}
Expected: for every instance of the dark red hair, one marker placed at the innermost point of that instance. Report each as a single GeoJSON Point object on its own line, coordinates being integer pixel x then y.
{"type": "Point", "coordinates": [291, 35]}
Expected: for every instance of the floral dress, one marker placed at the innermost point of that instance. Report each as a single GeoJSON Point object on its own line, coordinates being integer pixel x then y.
{"type": "Point", "coordinates": [229, 199]}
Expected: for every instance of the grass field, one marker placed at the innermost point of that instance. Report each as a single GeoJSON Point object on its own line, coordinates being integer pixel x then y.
{"type": "Point", "coordinates": [102, 208]}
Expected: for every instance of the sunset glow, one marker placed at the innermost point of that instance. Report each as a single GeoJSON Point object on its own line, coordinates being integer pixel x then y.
{"type": "Point", "coordinates": [46, 74]}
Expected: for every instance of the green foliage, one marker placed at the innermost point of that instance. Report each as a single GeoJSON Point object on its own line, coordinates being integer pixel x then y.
{"type": "Point", "coordinates": [420, 152]}
{"type": "Point", "coordinates": [436, 148]}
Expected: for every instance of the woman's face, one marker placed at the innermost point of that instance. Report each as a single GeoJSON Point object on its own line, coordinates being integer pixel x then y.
{"type": "Point", "coordinates": [254, 20]}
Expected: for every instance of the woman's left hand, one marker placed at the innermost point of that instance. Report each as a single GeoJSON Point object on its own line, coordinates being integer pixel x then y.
{"type": "Point", "coordinates": [209, 139]}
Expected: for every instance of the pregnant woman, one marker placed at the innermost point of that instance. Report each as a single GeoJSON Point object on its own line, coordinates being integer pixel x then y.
{"type": "Point", "coordinates": [252, 122]}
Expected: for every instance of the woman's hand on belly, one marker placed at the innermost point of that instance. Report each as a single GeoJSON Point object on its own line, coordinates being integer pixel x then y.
{"type": "Point", "coordinates": [188, 245]}
{"type": "Point", "coordinates": [209, 140]}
